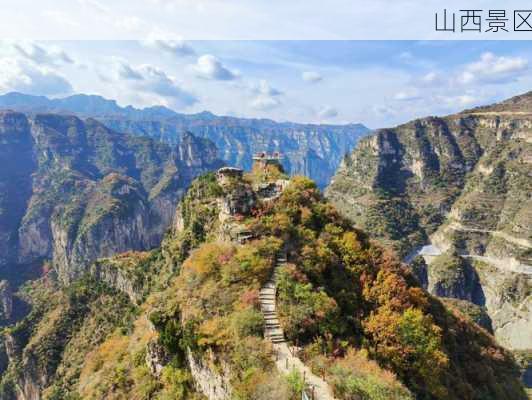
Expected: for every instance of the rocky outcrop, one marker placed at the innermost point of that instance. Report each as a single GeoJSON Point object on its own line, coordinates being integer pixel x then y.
{"type": "Point", "coordinates": [213, 384]}
{"type": "Point", "coordinates": [108, 272]}
{"type": "Point", "coordinates": [508, 301]}
{"type": "Point", "coordinates": [6, 302]}
{"type": "Point", "coordinates": [156, 357]}
{"type": "Point", "coordinates": [449, 275]}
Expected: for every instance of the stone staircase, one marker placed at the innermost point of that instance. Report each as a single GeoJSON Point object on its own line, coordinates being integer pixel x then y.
{"type": "Point", "coordinates": [286, 360]}
{"type": "Point", "coordinates": [272, 328]}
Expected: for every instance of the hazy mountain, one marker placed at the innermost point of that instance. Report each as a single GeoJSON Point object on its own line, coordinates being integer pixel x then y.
{"type": "Point", "coordinates": [311, 150]}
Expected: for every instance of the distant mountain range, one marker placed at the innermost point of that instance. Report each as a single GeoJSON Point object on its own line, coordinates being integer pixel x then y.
{"type": "Point", "coordinates": [309, 149]}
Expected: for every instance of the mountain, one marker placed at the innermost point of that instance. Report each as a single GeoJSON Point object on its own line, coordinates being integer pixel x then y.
{"type": "Point", "coordinates": [311, 150]}
{"type": "Point", "coordinates": [254, 263]}
{"type": "Point", "coordinates": [72, 190]}
{"type": "Point", "coordinates": [456, 190]}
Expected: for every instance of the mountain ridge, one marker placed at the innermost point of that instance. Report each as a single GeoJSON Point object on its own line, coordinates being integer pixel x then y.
{"type": "Point", "coordinates": [451, 188]}
{"type": "Point", "coordinates": [314, 150]}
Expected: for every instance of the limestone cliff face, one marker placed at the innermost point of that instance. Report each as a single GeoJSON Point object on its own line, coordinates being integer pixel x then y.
{"type": "Point", "coordinates": [460, 183]}
{"type": "Point", "coordinates": [76, 191]}
{"type": "Point", "coordinates": [6, 302]}
{"type": "Point", "coordinates": [311, 150]}
{"type": "Point", "coordinates": [213, 384]}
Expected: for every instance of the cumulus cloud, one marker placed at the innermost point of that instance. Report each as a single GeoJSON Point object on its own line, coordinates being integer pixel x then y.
{"type": "Point", "coordinates": [265, 89]}
{"type": "Point", "coordinates": [22, 76]}
{"type": "Point", "coordinates": [266, 96]}
{"type": "Point", "coordinates": [210, 67]}
{"type": "Point", "coordinates": [152, 80]}
{"type": "Point", "coordinates": [327, 112]}
{"type": "Point", "coordinates": [493, 69]}
{"type": "Point", "coordinates": [311, 76]}
{"type": "Point", "coordinates": [39, 54]}
{"type": "Point", "coordinates": [177, 48]}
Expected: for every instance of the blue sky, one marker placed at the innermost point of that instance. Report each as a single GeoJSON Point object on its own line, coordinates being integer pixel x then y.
{"type": "Point", "coordinates": [378, 83]}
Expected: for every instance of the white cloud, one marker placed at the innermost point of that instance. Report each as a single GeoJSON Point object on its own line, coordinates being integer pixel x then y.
{"type": "Point", "coordinates": [406, 56]}
{"type": "Point", "coordinates": [431, 78]}
{"type": "Point", "coordinates": [125, 71]}
{"type": "Point", "coordinates": [493, 69]}
{"type": "Point", "coordinates": [210, 67]}
{"type": "Point", "coordinates": [152, 80]}
{"type": "Point", "coordinates": [311, 76]}
{"type": "Point", "coordinates": [22, 76]}
{"type": "Point", "coordinates": [264, 88]}
{"type": "Point", "coordinates": [39, 54]}
{"type": "Point", "coordinates": [266, 96]}
{"type": "Point", "coordinates": [265, 103]}
{"type": "Point", "coordinates": [177, 47]}
{"type": "Point", "coordinates": [407, 95]}
{"type": "Point", "coordinates": [462, 100]}
{"type": "Point", "coordinates": [327, 112]}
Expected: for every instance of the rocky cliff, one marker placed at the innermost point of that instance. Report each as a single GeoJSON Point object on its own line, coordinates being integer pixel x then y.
{"type": "Point", "coordinates": [74, 190]}
{"type": "Point", "coordinates": [311, 150]}
{"type": "Point", "coordinates": [458, 184]}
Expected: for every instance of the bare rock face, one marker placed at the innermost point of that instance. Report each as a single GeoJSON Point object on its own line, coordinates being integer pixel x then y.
{"type": "Point", "coordinates": [213, 384]}
{"type": "Point", "coordinates": [156, 357]}
{"type": "Point", "coordinates": [106, 271]}
{"type": "Point", "coordinates": [6, 301]}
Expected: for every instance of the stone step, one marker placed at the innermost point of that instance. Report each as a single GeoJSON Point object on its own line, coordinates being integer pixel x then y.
{"type": "Point", "coordinates": [269, 314]}
{"type": "Point", "coordinates": [271, 335]}
{"type": "Point", "coordinates": [277, 339]}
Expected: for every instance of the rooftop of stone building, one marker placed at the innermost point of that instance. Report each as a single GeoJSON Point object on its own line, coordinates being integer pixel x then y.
{"type": "Point", "coordinates": [263, 156]}
{"type": "Point", "coordinates": [233, 171]}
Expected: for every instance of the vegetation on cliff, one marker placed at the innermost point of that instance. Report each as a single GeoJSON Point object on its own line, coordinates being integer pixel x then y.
{"type": "Point", "coordinates": [359, 316]}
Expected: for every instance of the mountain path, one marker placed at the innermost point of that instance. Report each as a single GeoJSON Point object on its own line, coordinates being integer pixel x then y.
{"type": "Point", "coordinates": [286, 361]}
